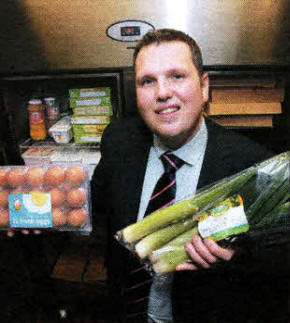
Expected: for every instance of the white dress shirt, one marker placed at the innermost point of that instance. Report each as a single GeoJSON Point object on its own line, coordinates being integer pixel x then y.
{"type": "Point", "coordinates": [192, 153]}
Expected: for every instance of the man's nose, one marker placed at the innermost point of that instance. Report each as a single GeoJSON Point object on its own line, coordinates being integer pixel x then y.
{"type": "Point", "coordinates": [164, 90]}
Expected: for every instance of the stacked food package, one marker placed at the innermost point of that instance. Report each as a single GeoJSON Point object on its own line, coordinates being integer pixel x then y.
{"type": "Point", "coordinates": [92, 111]}
{"type": "Point", "coordinates": [45, 196]}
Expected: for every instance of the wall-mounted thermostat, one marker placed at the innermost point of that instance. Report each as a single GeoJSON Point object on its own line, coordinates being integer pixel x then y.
{"type": "Point", "coordinates": [128, 30]}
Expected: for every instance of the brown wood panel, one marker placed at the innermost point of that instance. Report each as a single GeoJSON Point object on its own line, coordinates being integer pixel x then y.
{"type": "Point", "coordinates": [243, 81]}
{"type": "Point", "coordinates": [243, 95]}
{"type": "Point", "coordinates": [245, 121]}
{"type": "Point", "coordinates": [243, 108]}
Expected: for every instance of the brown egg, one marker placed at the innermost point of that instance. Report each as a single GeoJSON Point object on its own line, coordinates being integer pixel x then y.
{"type": "Point", "coordinates": [3, 198]}
{"type": "Point", "coordinates": [35, 176]}
{"type": "Point", "coordinates": [4, 217]}
{"type": "Point", "coordinates": [16, 176]}
{"type": "Point", "coordinates": [55, 176]}
{"type": "Point", "coordinates": [59, 217]}
{"type": "Point", "coordinates": [57, 197]}
{"type": "Point", "coordinates": [77, 217]}
{"type": "Point", "coordinates": [3, 176]}
{"type": "Point", "coordinates": [75, 175]}
{"type": "Point", "coordinates": [76, 197]}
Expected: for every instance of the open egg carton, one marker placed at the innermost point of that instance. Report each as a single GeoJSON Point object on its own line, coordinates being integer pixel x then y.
{"type": "Point", "coordinates": [55, 197]}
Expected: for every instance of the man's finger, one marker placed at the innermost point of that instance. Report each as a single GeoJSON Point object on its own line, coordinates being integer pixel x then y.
{"type": "Point", "coordinates": [202, 250]}
{"type": "Point", "coordinates": [195, 256]}
{"type": "Point", "coordinates": [223, 253]}
{"type": "Point", "coordinates": [186, 266]}
{"type": "Point", "coordinates": [10, 233]}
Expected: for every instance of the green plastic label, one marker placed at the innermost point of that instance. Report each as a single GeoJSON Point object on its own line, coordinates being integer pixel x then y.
{"type": "Point", "coordinates": [227, 218]}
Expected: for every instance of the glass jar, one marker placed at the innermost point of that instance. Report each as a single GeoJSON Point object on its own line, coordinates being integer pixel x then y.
{"type": "Point", "coordinates": [36, 119]}
{"type": "Point", "coordinates": [52, 111]}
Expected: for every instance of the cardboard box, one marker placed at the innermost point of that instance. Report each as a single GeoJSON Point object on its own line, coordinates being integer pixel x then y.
{"type": "Point", "coordinates": [90, 120]}
{"type": "Point", "coordinates": [94, 110]}
{"type": "Point", "coordinates": [80, 102]}
{"type": "Point", "coordinates": [90, 92]}
{"type": "Point", "coordinates": [88, 133]}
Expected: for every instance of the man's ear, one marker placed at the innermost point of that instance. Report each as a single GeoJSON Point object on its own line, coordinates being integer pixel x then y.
{"type": "Point", "coordinates": [204, 82]}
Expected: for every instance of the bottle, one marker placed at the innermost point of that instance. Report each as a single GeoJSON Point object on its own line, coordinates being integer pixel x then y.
{"type": "Point", "coordinates": [52, 111]}
{"type": "Point", "coordinates": [36, 119]}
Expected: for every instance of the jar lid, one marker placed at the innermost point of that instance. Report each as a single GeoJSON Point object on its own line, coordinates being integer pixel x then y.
{"type": "Point", "coordinates": [34, 101]}
{"type": "Point", "coordinates": [50, 99]}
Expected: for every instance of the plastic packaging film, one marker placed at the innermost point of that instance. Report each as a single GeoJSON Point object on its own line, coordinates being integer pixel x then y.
{"type": "Point", "coordinates": [55, 197]}
{"type": "Point", "coordinates": [252, 203]}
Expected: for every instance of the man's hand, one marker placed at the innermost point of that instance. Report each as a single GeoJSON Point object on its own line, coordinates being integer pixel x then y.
{"type": "Point", "coordinates": [204, 253]}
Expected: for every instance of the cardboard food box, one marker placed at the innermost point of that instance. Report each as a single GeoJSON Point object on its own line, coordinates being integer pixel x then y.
{"type": "Point", "coordinates": [93, 110]}
{"type": "Point", "coordinates": [55, 197]}
{"type": "Point", "coordinates": [84, 102]}
{"type": "Point", "coordinates": [90, 120]}
{"type": "Point", "coordinates": [90, 92]}
{"type": "Point", "coordinates": [88, 133]}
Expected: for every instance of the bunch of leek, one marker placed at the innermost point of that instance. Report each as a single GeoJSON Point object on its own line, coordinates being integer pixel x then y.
{"type": "Point", "coordinates": [264, 188]}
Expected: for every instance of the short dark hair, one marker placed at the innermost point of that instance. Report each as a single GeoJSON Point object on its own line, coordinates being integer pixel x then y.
{"type": "Point", "coordinates": [166, 35]}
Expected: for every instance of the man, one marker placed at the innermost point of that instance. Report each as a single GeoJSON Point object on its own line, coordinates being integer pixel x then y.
{"type": "Point", "coordinates": [171, 92]}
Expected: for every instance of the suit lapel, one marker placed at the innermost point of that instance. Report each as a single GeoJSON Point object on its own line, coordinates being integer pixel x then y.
{"type": "Point", "coordinates": [216, 155]}
{"type": "Point", "coordinates": [134, 172]}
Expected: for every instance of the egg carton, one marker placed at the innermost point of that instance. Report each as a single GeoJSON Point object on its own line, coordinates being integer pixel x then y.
{"type": "Point", "coordinates": [91, 159]}
{"type": "Point", "coordinates": [37, 155]}
{"type": "Point", "coordinates": [55, 197]}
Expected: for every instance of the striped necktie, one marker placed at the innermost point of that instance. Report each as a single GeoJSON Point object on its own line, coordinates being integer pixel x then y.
{"type": "Point", "coordinates": [165, 189]}
{"type": "Point", "coordinates": [137, 292]}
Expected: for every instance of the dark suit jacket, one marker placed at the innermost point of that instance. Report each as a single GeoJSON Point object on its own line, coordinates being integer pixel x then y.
{"type": "Point", "coordinates": [118, 179]}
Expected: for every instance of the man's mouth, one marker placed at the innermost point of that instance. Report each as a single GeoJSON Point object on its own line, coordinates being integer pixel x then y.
{"type": "Point", "coordinates": [168, 110]}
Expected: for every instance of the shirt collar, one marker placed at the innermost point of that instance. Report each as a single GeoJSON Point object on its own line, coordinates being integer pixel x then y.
{"type": "Point", "coordinates": [188, 151]}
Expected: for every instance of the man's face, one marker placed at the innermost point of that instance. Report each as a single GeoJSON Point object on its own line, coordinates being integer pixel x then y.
{"type": "Point", "coordinates": [170, 92]}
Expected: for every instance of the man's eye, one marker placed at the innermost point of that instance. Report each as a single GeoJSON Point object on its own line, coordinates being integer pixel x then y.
{"type": "Point", "coordinates": [177, 76]}
{"type": "Point", "coordinates": [147, 81]}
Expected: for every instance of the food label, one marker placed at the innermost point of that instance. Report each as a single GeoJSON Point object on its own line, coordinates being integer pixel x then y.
{"type": "Point", "coordinates": [91, 120]}
{"type": "Point", "coordinates": [36, 117]}
{"type": "Point", "coordinates": [30, 210]}
{"type": "Point", "coordinates": [84, 102]}
{"type": "Point", "coordinates": [53, 113]}
{"type": "Point", "coordinates": [87, 139]}
{"type": "Point", "coordinates": [227, 218]}
{"type": "Point", "coordinates": [86, 94]}
{"type": "Point", "coordinates": [90, 92]}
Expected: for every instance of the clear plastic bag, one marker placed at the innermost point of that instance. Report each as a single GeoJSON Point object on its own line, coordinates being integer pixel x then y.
{"type": "Point", "coordinates": [253, 203]}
